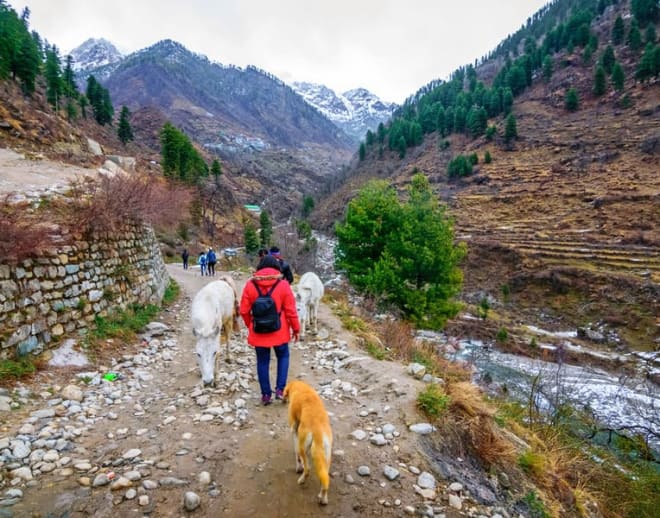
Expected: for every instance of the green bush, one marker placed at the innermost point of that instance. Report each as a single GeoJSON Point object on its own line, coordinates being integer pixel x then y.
{"type": "Point", "coordinates": [433, 401]}
{"type": "Point", "coordinates": [403, 254]}
{"type": "Point", "coordinates": [459, 166]}
{"type": "Point", "coordinates": [502, 335]}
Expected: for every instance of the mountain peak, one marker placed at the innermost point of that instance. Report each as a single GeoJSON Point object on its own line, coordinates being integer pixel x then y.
{"type": "Point", "coordinates": [94, 53]}
{"type": "Point", "coordinates": [355, 111]}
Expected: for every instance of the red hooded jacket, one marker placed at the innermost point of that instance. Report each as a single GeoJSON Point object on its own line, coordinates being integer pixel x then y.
{"type": "Point", "coordinates": [285, 302]}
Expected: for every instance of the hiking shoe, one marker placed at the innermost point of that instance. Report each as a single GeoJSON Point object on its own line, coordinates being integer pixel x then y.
{"type": "Point", "coordinates": [278, 394]}
{"type": "Point", "coordinates": [265, 400]}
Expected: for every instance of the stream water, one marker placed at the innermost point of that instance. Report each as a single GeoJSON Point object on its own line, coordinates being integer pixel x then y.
{"type": "Point", "coordinates": [630, 403]}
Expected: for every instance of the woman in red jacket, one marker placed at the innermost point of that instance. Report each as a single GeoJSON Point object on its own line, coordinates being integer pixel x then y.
{"type": "Point", "coordinates": [268, 277]}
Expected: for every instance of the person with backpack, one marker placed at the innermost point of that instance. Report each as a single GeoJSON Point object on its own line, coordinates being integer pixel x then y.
{"type": "Point", "coordinates": [184, 257]}
{"type": "Point", "coordinates": [268, 308]}
{"type": "Point", "coordinates": [210, 261]}
{"type": "Point", "coordinates": [201, 261]}
{"type": "Point", "coordinates": [287, 274]}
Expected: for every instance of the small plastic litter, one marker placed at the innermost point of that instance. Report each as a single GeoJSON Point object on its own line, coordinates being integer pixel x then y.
{"type": "Point", "coordinates": [111, 376]}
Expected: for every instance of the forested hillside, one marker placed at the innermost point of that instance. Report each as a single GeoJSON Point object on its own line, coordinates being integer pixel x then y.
{"type": "Point", "coordinates": [545, 152]}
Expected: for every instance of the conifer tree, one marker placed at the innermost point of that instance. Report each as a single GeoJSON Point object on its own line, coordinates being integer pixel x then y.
{"type": "Point", "coordinates": [547, 68]}
{"type": "Point", "coordinates": [53, 73]}
{"type": "Point", "coordinates": [634, 40]}
{"type": "Point", "coordinates": [650, 35]}
{"type": "Point", "coordinates": [266, 230]}
{"type": "Point", "coordinates": [618, 31]}
{"type": "Point", "coordinates": [124, 131]}
{"type": "Point", "coordinates": [28, 63]}
{"type": "Point", "coordinates": [618, 77]}
{"type": "Point", "coordinates": [216, 169]}
{"type": "Point", "coordinates": [600, 83]}
{"type": "Point", "coordinates": [572, 101]}
{"type": "Point", "coordinates": [648, 65]}
{"type": "Point", "coordinates": [69, 78]}
{"type": "Point", "coordinates": [510, 128]}
{"type": "Point", "coordinates": [381, 132]}
{"type": "Point", "coordinates": [402, 147]}
{"type": "Point", "coordinates": [362, 152]}
{"type": "Point", "coordinates": [608, 59]}
{"type": "Point", "coordinates": [250, 238]}
{"type": "Point", "coordinates": [370, 137]}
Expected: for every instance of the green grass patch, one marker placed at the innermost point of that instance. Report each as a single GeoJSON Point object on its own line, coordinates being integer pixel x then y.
{"type": "Point", "coordinates": [171, 293]}
{"type": "Point", "coordinates": [16, 369]}
{"type": "Point", "coordinates": [124, 324]}
{"type": "Point", "coordinates": [433, 401]}
{"type": "Point", "coordinates": [536, 506]}
{"type": "Point", "coordinates": [376, 351]}
{"type": "Point", "coordinates": [532, 463]}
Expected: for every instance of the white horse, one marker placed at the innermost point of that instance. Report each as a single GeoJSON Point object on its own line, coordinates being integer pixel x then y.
{"type": "Point", "coordinates": [309, 292]}
{"type": "Point", "coordinates": [213, 309]}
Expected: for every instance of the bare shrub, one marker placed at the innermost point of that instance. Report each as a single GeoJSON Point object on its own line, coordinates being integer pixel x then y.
{"type": "Point", "coordinates": [112, 201]}
{"type": "Point", "coordinates": [23, 233]}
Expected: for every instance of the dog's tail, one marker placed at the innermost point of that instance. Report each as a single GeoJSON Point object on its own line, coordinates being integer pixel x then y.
{"type": "Point", "coordinates": [321, 453]}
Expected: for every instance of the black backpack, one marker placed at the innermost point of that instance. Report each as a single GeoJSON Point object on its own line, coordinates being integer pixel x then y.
{"type": "Point", "coordinates": [265, 317]}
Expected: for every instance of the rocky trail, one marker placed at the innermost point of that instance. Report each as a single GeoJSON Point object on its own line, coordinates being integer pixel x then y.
{"type": "Point", "coordinates": [154, 442]}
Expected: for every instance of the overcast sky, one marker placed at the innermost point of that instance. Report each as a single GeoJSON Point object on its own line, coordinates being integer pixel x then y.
{"type": "Point", "coordinates": [391, 47]}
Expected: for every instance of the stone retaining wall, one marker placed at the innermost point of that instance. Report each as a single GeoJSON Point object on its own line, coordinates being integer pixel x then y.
{"type": "Point", "coordinates": [61, 292]}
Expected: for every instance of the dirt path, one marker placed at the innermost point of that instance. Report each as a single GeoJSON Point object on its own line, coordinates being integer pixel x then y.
{"type": "Point", "coordinates": [179, 430]}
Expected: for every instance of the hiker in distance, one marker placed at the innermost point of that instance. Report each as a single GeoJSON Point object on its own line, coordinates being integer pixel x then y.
{"type": "Point", "coordinates": [201, 261]}
{"type": "Point", "coordinates": [211, 259]}
{"type": "Point", "coordinates": [287, 274]}
{"type": "Point", "coordinates": [268, 308]}
{"type": "Point", "coordinates": [184, 257]}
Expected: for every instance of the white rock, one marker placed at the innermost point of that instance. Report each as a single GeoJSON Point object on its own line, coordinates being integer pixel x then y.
{"type": "Point", "coordinates": [130, 494]}
{"type": "Point", "coordinates": [143, 500]}
{"type": "Point", "coordinates": [72, 392]}
{"type": "Point", "coordinates": [359, 435]}
{"type": "Point", "coordinates": [204, 478]}
{"type": "Point", "coordinates": [456, 487]}
{"type": "Point", "coordinates": [364, 471]}
{"type": "Point", "coordinates": [20, 450]}
{"type": "Point", "coordinates": [455, 501]}
{"type": "Point", "coordinates": [391, 473]}
{"type": "Point", "coordinates": [191, 501]}
{"type": "Point", "coordinates": [132, 453]}
{"type": "Point", "coordinates": [426, 481]}
{"type": "Point", "coordinates": [378, 439]}
{"type": "Point", "coordinates": [422, 428]}
{"type": "Point", "coordinates": [23, 473]}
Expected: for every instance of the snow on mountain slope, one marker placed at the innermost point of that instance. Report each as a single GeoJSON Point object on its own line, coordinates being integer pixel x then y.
{"type": "Point", "coordinates": [94, 53]}
{"type": "Point", "coordinates": [354, 111]}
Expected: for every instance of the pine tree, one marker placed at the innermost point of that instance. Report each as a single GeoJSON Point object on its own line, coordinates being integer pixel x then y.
{"type": "Point", "coordinates": [547, 68]}
{"type": "Point", "coordinates": [266, 230]}
{"type": "Point", "coordinates": [362, 151]}
{"type": "Point", "coordinates": [250, 238]}
{"type": "Point", "coordinates": [618, 77]}
{"type": "Point", "coordinates": [608, 59]}
{"type": "Point", "coordinates": [634, 36]}
{"type": "Point", "coordinates": [487, 158]}
{"type": "Point", "coordinates": [650, 35]}
{"type": "Point", "coordinates": [370, 138]}
{"type": "Point", "coordinates": [618, 31]}
{"type": "Point", "coordinates": [216, 169]}
{"type": "Point", "coordinates": [402, 147]}
{"type": "Point", "coordinates": [647, 66]}
{"type": "Point", "coordinates": [124, 131]}
{"type": "Point", "coordinates": [572, 101]}
{"type": "Point", "coordinates": [29, 61]}
{"type": "Point", "coordinates": [507, 101]}
{"type": "Point", "coordinates": [645, 11]}
{"type": "Point", "coordinates": [69, 78]}
{"type": "Point", "coordinates": [600, 84]}
{"type": "Point", "coordinates": [53, 73]}
{"type": "Point", "coordinates": [381, 132]}
{"type": "Point", "coordinates": [510, 128]}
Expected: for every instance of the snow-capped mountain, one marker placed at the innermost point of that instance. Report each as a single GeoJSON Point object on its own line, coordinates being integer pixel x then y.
{"type": "Point", "coordinates": [94, 53]}
{"type": "Point", "coordinates": [354, 111]}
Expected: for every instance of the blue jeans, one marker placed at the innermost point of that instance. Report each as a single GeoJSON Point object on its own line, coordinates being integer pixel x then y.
{"type": "Point", "coordinates": [263, 365]}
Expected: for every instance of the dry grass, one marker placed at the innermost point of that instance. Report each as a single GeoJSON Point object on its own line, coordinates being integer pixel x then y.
{"type": "Point", "coordinates": [470, 411]}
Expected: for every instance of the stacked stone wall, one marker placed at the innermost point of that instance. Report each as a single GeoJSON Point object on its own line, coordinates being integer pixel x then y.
{"type": "Point", "coordinates": [62, 291]}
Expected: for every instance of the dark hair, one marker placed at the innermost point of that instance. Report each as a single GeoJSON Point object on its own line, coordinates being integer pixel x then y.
{"type": "Point", "coordinates": [274, 250]}
{"type": "Point", "coordinates": [269, 262]}
{"type": "Point", "coordinates": [263, 252]}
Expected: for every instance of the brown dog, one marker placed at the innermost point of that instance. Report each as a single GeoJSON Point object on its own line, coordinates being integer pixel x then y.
{"type": "Point", "coordinates": [312, 435]}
